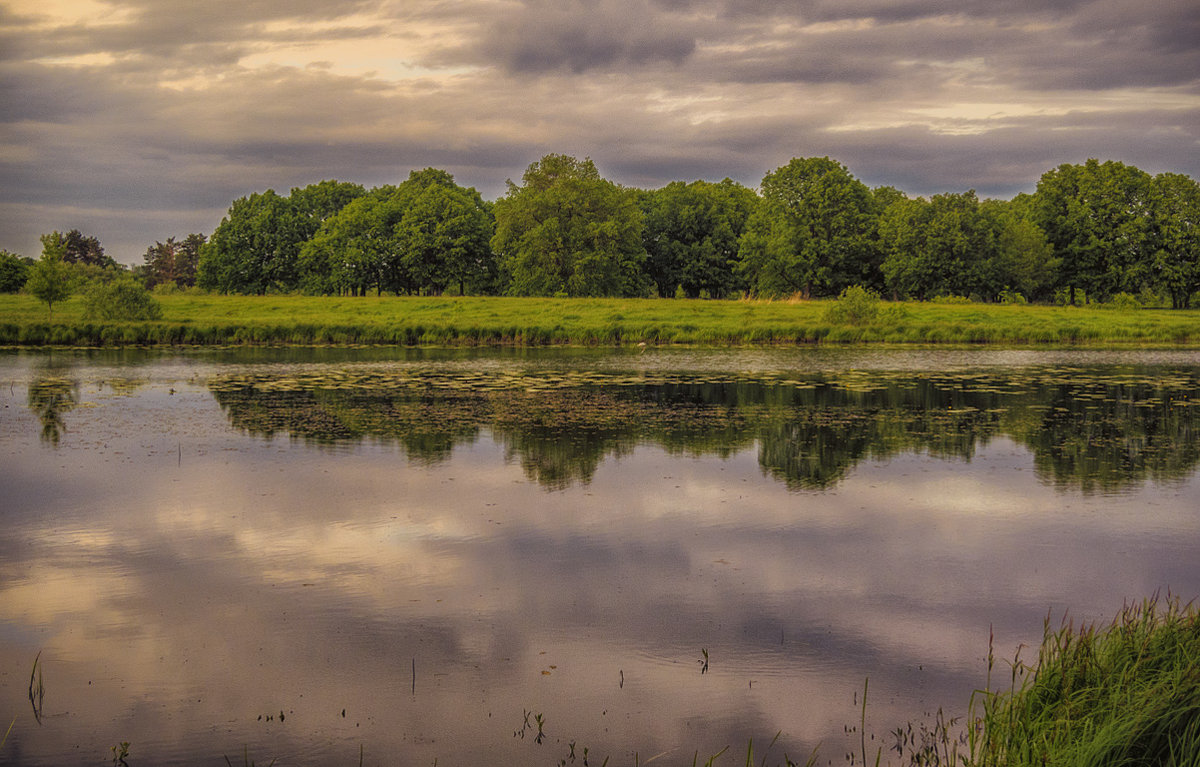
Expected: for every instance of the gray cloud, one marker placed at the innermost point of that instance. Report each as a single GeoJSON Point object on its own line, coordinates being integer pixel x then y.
{"type": "Point", "coordinates": [151, 123]}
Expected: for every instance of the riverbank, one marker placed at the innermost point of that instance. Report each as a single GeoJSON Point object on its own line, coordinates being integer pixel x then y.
{"type": "Point", "coordinates": [501, 321]}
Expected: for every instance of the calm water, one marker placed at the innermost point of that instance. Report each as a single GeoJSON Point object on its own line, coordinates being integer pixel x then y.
{"type": "Point", "coordinates": [416, 554]}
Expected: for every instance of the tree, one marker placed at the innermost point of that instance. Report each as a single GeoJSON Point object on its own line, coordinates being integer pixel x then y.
{"type": "Point", "coordinates": [1098, 218]}
{"type": "Point", "coordinates": [444, 234]}
{"type": "Point", "coordinates": [568, 231]}
{"type": "Point", "coordinates": [50, 277]}
{"type": "Point", "coordinates": [173, 261]}
{"type": "Point", "coordinates": [691, 235]}
{"type": "Point", "coordinates": [953, 244]}
{"type": "Point", "coordinates": [256, 248]}
{"type": "Point", "coordinates": [14, 271]}
{"type": "Point", "coordinates": [1176, 261]}
{"type": "Point", "coordinates": [78, 248]}
{"type": "Point", "coordinates": [813, 233]}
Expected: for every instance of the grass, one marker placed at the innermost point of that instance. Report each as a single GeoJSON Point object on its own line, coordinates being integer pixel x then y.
{"type": "Point", "coordinates": [1126, 694]}
{"type": "Point", "coordinates": [493, 321]}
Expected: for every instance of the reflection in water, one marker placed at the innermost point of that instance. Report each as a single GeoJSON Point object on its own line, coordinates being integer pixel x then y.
{"type": "Point", "coordinates": [286, 588]}
{"type": "Point", "coordinates": [50, 398]}
{"type": "Point", "coordinates": [1099, 430]}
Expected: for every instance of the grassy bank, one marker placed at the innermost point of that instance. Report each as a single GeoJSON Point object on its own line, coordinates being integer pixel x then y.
{"type": "Point", "coordinates": [225, 320]}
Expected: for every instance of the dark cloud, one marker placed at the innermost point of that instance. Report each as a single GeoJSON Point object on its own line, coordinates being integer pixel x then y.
{"type": "Point", "coordinates": [167, 111]}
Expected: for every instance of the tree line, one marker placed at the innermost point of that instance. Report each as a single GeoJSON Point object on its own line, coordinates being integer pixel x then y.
{"type": "Point", "coordinates": [1090, 232]}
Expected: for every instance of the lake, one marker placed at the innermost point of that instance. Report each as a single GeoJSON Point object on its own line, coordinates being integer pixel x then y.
{"type": "Point", "coordinates": [543, 556]}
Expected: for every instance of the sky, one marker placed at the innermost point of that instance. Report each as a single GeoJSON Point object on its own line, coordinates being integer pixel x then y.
{"type": "Point", "coordinates": [138, 120]}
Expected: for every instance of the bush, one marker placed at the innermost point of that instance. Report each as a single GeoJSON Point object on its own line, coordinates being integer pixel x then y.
{"type": "Point", "coordinates": [855, 305]}
{"type": "Point", "coordinates": [950, 300]}
{"type": "Point", "coordinates": [121, 299]}
{"type": "Point", "coordinates": [1123, 302]}
{"type": "Point", "coordinates": [1012, 297]}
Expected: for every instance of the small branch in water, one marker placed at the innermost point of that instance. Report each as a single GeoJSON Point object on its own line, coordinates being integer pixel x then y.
{"type": "Point", "coordinates": [414, 675]}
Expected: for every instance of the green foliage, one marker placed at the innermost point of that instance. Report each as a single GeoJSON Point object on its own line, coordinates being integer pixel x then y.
{"type": "Point", "coordinates": [567, 230]}
{"type": "Point", "coordinates": [1122, 302]}
{"type": "Point", "coordinates": [1098, 217]}
{"type": "Point", "coordinates": [256, 247]}
{"type": "Point", "coordinates": [954, 244]}
{"type": "Point", "coordinates": [121, 299]}
{"type": "Point", "coordinates": [1176, 260]}
{"type": "Point", "coordinates": [50, 278]}
{"type": "Point", "coordinates": [855, 305]}
{"type": "Point", "coordinates": [1127, 694]}
{"type": "Point", "coordinates": [14, 271]}
{"type": "Point", "coordinates": [813, 232]}
{"type": "Point", "coordinates": [691, 236]}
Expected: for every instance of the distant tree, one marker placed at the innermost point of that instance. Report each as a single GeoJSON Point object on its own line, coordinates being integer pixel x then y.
{"type": "Point", "coordinates": [1176, 261]}
{"type": "Point", "coordinates": [1098, 218]}
{"type": "Point", "coordinates": [691, 235]}
{"type": "Point", "coordinates": [14, 271]}
{"type": "Point", "coordinates": [173, 261]}
{"type": "Point", "coordinates": [954, 244]}
{"type": "Point", "coordinates": [353, 250]}
{"type": "Point", "coordinates": [256, 248]}
{"type": "Point", "coordinates": [444, 234]}
{"type": "Point", "coordinates": [565, 230]}
{"type": "Point", "coordinates": [79, 248]}
{"type": "Point", "coordinates": [50, 278]}
{"type": "Point", "coordinates": [813, 233]}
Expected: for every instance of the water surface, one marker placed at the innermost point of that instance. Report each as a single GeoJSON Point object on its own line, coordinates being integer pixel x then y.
{"type": "Point", "coordinates": [298, 554]}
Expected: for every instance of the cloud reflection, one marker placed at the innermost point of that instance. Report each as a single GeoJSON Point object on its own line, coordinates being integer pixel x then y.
{"type": "Point", "coordinates": [254, 572]}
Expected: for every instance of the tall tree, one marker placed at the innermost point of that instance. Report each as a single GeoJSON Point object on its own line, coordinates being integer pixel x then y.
{"type": "Point", "coordinates": [256, 248]}
{"type": "Point", "coordinates": [444, 234]}
{"type": "Point", "coordinates": [691, 235]}
{"type": "Point", "coordinates": [953, 244]}
{"type": "Point", "coordinates": [568, 231]}
{"type": "Point", "coordinates": [813, 233]}
{"type": "Point", "coordinates": [1176, 262]}
{"type": "Point", "coordinates": [173, 261]}
{"type": "Point", "coordinates": [1098, 218]}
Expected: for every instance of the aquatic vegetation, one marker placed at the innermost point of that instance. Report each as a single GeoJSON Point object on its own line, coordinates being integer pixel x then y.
{"type": "Point", "coordinates": [1127, 693]}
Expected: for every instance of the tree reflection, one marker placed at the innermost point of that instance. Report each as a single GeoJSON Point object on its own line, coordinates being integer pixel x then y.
{"type": "Point", "coordinates": [1089, 428]}
{"type": "Point", "coordinates": [51, 397]}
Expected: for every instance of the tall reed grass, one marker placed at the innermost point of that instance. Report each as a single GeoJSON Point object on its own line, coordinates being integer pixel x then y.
{"type": "Point", "coordinates": [1125, 694]}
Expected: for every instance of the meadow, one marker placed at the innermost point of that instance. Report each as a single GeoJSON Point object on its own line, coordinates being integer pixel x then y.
{"type": "Point", "coordinates": [190, 319]}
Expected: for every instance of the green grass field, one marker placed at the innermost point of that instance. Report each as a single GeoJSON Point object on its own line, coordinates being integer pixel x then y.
{"type": "Point", "coordinates": [482, 321]}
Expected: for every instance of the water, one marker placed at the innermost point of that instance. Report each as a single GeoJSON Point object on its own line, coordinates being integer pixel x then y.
{"type": "Point", "coordinates": [219, 553]}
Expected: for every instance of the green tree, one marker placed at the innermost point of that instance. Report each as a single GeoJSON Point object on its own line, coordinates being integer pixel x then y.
{"type": "Point", "coordinates": [953, 244]}
{"type": "Point", "coordinates": [444, 234]}
{"type": "Point", "coordinates": [566, 230]}
{"type": "Point", "coordinates": [813, 233]}
{"type": "Point", "coordinates": [352, 250]}
{"type": "Point", "coordinates": [1098, 218]}
{"type": "Point", "coordinates": [78, 248]}
{"type": "Point", "coordinates": [14, 271]}
{"type": "Point", "coordinates": [50, 278]}
{"type": "Point", "coordinates": [256, 247]}
{"type": "Point", "coordinates": [1176, 262]}
{"type": "Point", "coordinates": [691, 235]}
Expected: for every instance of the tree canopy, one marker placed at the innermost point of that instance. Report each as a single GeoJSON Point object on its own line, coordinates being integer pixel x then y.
{"type": "Point", "coordinates": [567, 231]}
{"type": "Point", "coordinates": [691, 236]}
{"type": "Point", "coordinates": [814, 231]}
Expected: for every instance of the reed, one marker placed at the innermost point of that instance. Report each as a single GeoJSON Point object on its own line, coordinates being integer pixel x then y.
{"type": "Point", "coordinates": [1125, 694]}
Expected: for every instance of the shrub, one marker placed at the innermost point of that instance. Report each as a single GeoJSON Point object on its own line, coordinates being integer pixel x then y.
{"type": "Point", "coordinates": [1122, 302]}
{"type": "Point", "coordinates": [855, 305]}
{"type": "Point", "coordinates": [121, 299]}
{"type": "Point", "coordinates": [1012, 297]}
{"type": "Point", "coordinates": [950, 300]}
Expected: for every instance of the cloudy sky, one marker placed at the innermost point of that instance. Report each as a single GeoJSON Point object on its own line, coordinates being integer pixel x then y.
{"type": "Point", "coordinates": [136, 120]}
